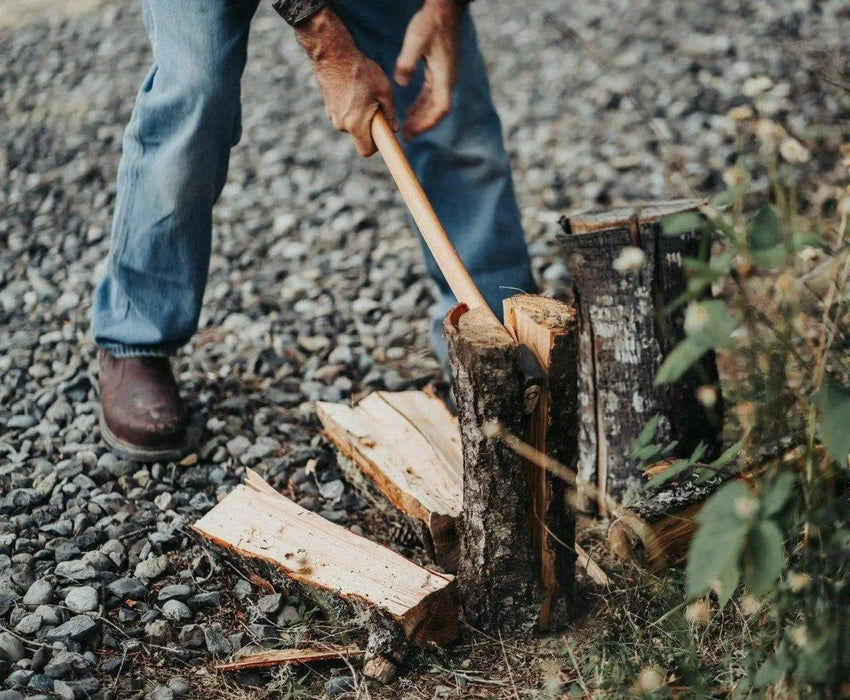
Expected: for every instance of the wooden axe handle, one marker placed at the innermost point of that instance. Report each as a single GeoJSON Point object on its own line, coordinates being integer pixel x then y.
{"type": "Point", "coordinates": [424, 215]}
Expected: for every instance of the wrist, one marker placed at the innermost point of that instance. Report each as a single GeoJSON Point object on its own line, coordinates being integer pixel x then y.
{"type": "Point", "coordinates": [324, 37]}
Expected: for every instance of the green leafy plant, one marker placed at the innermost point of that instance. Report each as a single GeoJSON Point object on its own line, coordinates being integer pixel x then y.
{"type": "Point", "coordinates": [779, 533]}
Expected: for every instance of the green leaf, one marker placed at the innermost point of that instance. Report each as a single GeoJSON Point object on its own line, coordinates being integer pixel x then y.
{"type": "Point", "coordinates": [833, 404]}
{"type": "Point", "coordinates": [728, 584]}
{"type": "Point", "coordinates": [688, 222]}
{"type": "Point", "coordinates": [672, 471]}
{"type": "Point", "coordinates": [777, 494]}
{"type": "Point", "coordinates": [729, 196]}
{"type": "Point", "coordinates": [716, 547]}
{"type": "Point", "coordinates": [773, 669]}
{"type": "Point", "coordinates": [769, 257]}
{"type": "Point", "coordinates": [765, 556]}
{"type": "Point", "coordinates": [646, 435]}
{"type": "Point", "coordinates": [764, 229]}
{"type": "Point", "coordinates": [728, 456]}
{"type": "Point", "coordinates": [801, 239]}
{"type": "Point", "coordinates": [680, 359]}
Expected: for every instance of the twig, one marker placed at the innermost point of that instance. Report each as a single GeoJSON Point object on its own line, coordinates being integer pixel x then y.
{"type": "Point", "coordinates": [508, 666]}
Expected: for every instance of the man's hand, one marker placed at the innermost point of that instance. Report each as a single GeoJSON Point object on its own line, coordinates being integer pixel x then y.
{"type": "Point", "coordinates": [352, 86]}
{"type": "Point", "coordinates": [433, 35]}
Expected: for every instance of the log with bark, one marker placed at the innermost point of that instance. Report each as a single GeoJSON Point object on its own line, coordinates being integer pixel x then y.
{"type": "Point", "coordinates": [355, 580]}
{"type": "Point", "coordinates": [656, 529]}
{"type": "Point", "coordinates": [625, 334]}
{"type": "Point", "coordinates": [516, 531]}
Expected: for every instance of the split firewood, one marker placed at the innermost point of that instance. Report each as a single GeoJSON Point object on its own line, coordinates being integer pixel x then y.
{"type": "Point", "coordinates": [357, 581]}
{"type": "Point", "coordinates": [549, 329]}
{"type": "Point", "coordinates": [294, 657]}
{"type": "Point", "coordinates": [626, 330]}
{"type": "Point", "coordinates": [408, 445]}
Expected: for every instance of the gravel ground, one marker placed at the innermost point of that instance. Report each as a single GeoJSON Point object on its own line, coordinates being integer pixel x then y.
{"type": "Point", "coordinates": [101, 590]}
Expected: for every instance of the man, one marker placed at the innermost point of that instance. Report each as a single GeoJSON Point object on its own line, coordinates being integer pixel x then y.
{"type": "Point", "coordinates": [174, 165]}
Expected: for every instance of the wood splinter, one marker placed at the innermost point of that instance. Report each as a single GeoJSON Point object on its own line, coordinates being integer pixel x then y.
{"type": "Point", "coordinates": [294, 657]}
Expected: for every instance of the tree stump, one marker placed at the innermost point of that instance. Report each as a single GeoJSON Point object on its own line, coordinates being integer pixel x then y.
{"type": "Point", "coordinates": [624, 338]}
{"type": "Point", "coordinates": [516, 531]}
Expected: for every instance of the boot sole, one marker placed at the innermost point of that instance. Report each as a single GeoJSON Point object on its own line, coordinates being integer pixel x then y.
{"type": "Point", "coordinates": [134, 453]}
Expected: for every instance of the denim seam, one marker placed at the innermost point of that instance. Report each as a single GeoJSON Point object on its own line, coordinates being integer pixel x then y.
{"type": "Point", "coordinates": [121, 350]}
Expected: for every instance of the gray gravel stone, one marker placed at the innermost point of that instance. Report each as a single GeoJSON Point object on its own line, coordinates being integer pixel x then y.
{"type": "Point", "coordinates": [82, 599]}
{"type": "Point", "coordinates": [152, 568]}
{"type": "Point", "coordinates": [269, 604]}
{"type": "Point", "coordinates": [39, 593]}
{"type": "Point", "coordinates": [179, 591]}
{"type": "Point", "coordinates": [11, 648]}
{"type": "Point", "coordinates": [176, 610]}
{"type": "Point", "coordinates": [29, 624]}
{"type": "Point", "coordinates": [128, 588]}
{"type": "Point", "coordinates": [191, 636]}
{"type": "Point", "coordinates": [78, 628]}
{"type": "Point", "coordinates": [76, 570]}
{"type": "Point", "coordinates": [217, 643]}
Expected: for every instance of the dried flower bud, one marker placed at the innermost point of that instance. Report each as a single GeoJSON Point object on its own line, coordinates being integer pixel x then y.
{"type": "Point", "coordinates": [750, 605]}
{"type": "Point", "coordinates": [786, 289]}
{"type": "Point", "coordinates": [707, 395]}
{"type": "Point", "coordinates": [630, 259]}
{"type": "Point", "coordinates": [649, 680]}
{"type": "Point", "coordinates": [792, 151]}
{"type": "Point", "coordinates": [734, 176]}
{"type": "Point", "coordinates": [745, 507]}
{"type": "Point", "coordinates": [798, 581]}
{"type": "Point", "coordinates": [744, 264]}
{"type": "Point", "coordinates": [698, 612]}
{"type": "Point", "coordinates": [769, 132]}
{"type": "Point", "coordinates": [799, 635]}
{"type": "Point", "coordinates": [696, 318]}
{"type": "Point", "coordinates": [746, 411]}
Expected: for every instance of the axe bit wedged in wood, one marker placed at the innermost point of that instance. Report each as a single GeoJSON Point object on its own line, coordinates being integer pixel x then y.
{"type": "Point", "coordinates": [533, 378]}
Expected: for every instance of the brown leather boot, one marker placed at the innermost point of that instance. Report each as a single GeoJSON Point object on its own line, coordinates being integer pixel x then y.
{"type": "Point", "coordinates": [142, 416]}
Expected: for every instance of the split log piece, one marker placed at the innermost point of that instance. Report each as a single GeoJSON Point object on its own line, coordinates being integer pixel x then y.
{"type": "Point", "coordinates": [294, 657]}
{"type": "Point", "coordinates": [353, 579]}
{"type": "Point", "coordinates": [549, 329]}
{"type": "Point", "coordinates": [498, 580]}
{"type": "Point", "coordinates": [408, 445]}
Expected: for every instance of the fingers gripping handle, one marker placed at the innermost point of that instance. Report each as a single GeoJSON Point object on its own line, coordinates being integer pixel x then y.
{"type": "Point", "coordinates": [423, 214]}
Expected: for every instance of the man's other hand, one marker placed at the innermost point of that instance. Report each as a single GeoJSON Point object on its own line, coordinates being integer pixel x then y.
{"type": "Point", "coordinates": [433, 36]}
{"type": "Point", "coordinates": [353, 87]}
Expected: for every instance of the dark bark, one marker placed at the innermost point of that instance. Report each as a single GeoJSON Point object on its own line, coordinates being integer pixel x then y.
{"type": "Point", "coordinates": [498, 582]}
{"type": "Point", "coordinates": [624, 337]}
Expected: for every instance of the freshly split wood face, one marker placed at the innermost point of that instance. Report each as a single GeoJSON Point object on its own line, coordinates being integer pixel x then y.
{"type": "Point", "coordinates": [408, 445]}
{"type": "Point", "coordinates": [255, 523]}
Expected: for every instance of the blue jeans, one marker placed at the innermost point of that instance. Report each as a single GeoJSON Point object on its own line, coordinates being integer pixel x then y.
{"type": "Point", "coordinates": [176, 150]}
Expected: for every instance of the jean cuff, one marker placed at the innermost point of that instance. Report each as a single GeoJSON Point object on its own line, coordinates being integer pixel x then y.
{"type": "Point", "coordinates": [121, 350]}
